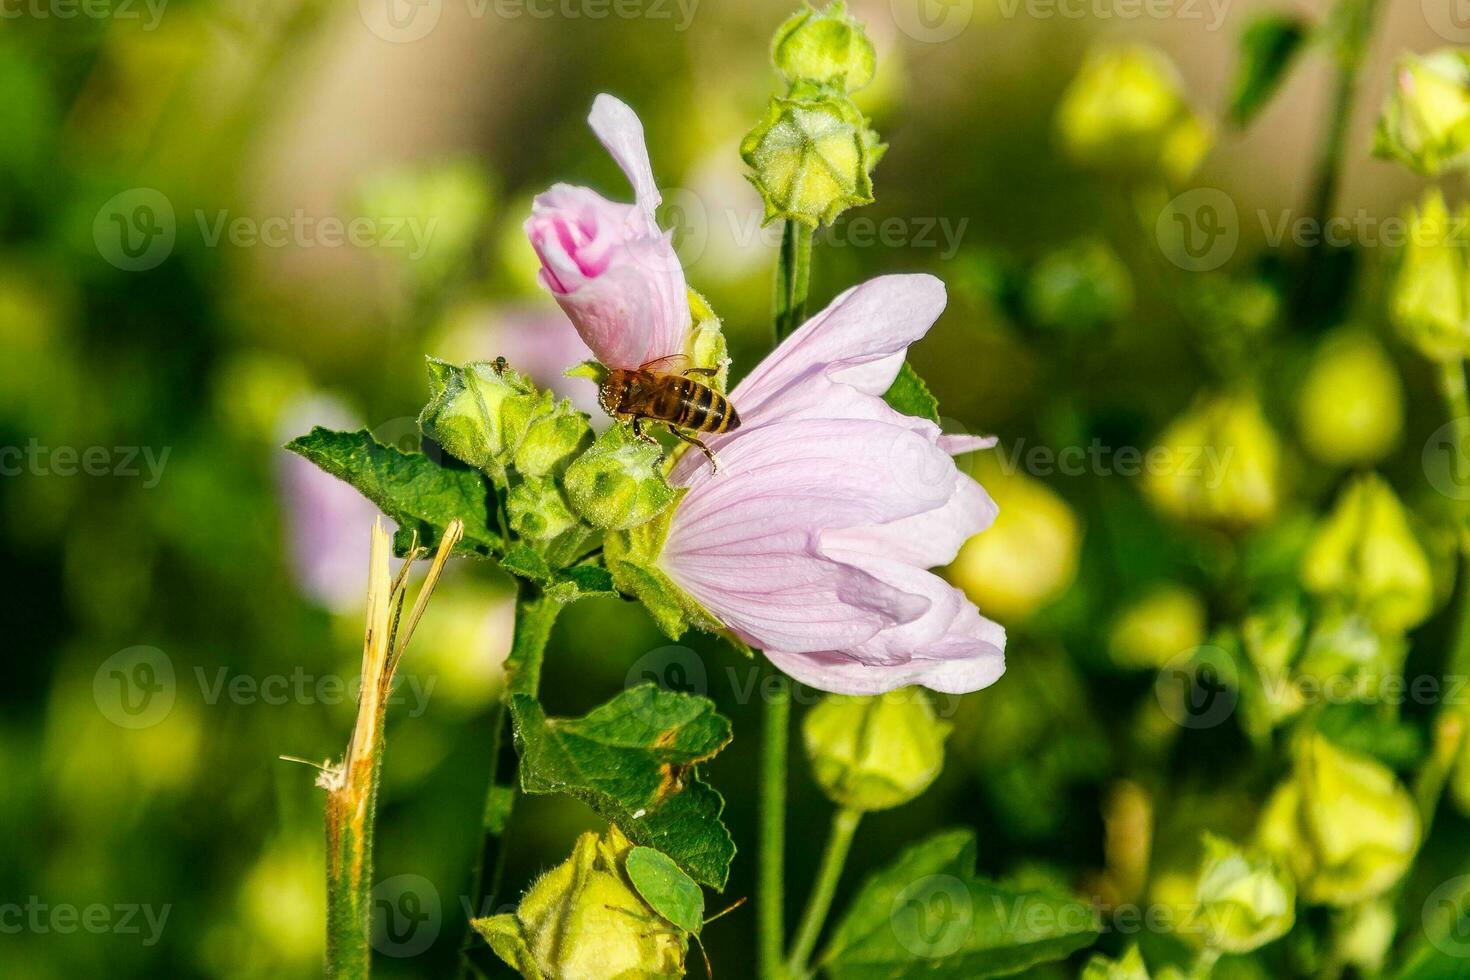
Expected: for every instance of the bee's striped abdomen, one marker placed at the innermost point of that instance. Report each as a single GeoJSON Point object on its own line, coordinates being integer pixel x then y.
{"type": "Point", "coordinates": [702, 409]}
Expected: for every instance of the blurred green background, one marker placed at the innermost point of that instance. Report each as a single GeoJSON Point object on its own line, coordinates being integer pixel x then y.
{"type": "Point", "coordinates": [181, 291]}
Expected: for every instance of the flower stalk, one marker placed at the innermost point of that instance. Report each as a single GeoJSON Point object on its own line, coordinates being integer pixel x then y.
{"type": "Point", "coordinates": [772, 887]}
{"type": "Point", "coordinates": [839, 842]}
{"type": "Point", "coordinates": [352, 784]}
{"type": "Point", "coordinates": [535, 615]}
{"type": "Point", "coordinates": [793, 278]}
{"type": "Point", "coordinates": [1355, 19]}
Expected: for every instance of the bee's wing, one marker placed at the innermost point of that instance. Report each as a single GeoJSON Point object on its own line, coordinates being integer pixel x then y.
{"type": "Point", "coordinates": [669, 364]}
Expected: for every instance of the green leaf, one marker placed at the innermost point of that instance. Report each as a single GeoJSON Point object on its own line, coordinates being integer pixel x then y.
{"type": "Point", "coordinates": [911, 396]}
{"type": "Point", "coordinates": [666, 888]}
{"type": "Point", "coordinates": [411, 488]}
{"type": "Point", "coordinates": [1268, 46]}
{"type": "Point", "coordinates": [928, 914]}
{"type": "Point", "coordinates": [563, 585]}
{"type": "Point", "coordinates": [632, 760]}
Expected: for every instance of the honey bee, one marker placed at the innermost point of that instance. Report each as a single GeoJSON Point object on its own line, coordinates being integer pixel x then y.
{"type": "Point", "coordinates": [663, 390]}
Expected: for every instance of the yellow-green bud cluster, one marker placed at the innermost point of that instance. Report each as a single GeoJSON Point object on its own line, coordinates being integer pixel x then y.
{"type": "Point", "coordinates": [493, 417]}
{"type": "Point", "coordinates": [1365, 555]}
{"type": "Point", "coordinates": [1425, 123]}
{"type": "Point", "coordinates": [1341, 823]}
{"type": "Point", "coordinates": [1243, 900]}
{"type": "Point", "coordinates": [1430, 299]}
{"type": "Point", "coordinates": [619, 482]}
{"type": "Point", "coordinates": [812, 155]}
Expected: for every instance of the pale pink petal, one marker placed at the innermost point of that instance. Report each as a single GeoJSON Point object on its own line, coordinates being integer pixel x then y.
{"type": "Point", "coordinates": [923, 540]}
{"type": "Point", "coordinates": [859, 340]}
{"type": "Point", "coordinates": [970, 657]}
{"type": "Point", "coordinates": [609, 267]}
{"type": "Point", "coordinates": [958, 445]}
{"type": "Point", "coordinates": [619, 129]}
{"type": "Point", "coordinates": [818, 474]}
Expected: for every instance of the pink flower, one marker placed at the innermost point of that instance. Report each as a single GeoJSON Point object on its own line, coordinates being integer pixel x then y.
{"type": "Point", "coordinates": [608, 265]}
{"type": "Point", "coordinates": [814, 539]}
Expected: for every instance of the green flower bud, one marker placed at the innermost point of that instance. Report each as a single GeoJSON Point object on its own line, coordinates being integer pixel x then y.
{"type": "Point", "coordinates": [1126, 112]}
{"type": "Point", "coordinates": [1365, 553]}
{"type": "Point", "coordinates": [1218, 464]}
{"type": "Point", "coordinates": [1157, 628]}
{"type": "Point", "coordinates": [1028, 557]}
{"type": "Point", "coordinates": [584, 918]}
{"type": "Point", "coordinates": [1425, 123]}
{"type": "Point", "coordinates": [1342, 824]}
{"type": "Point", "coordinates": [1243, 900]}
{"type": "Point", "coordinates": [875, 753]}
{"type": "Point", "coordinates": [538, 511]}
{"type": "Point", "coordinates": [707, 346]}
{"type": "Point", "coordinates": [1130, 967]}
{"type": "Point", "coordinates": [1428, 302]}
{"type": "Point", "coordinates": [1079, 288]}
{"type": "Point", "coordinates": [1350, 410]}
{"type": "Point", "coordinates": [1272, 637]}
{"type": "Point", "coordinates": [813, 155]}
{"type": "Point", "coordinates": [1345, 644]}
{"type": "Point", "coordinates": [552, 440]}
{"type": "Point", "coordinates": [827, 47]}
{"type": "Point", "coordinates": [619, 482]}
{"type": "Point", "coordinates": [480, 413]}
{"type": "Point", "coordinates": [1365, 935]}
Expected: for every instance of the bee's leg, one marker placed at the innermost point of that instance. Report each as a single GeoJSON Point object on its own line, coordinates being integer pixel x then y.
{"type": "Point", "coordinates": [645, 437]}
{"type": "Point", "coordinates": [707, 372]}
{"type": "Point", "coordinates": [714, 463]}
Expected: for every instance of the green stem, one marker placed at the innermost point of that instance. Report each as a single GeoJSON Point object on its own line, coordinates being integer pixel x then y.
{"type": "Point", "coordinates": [793, 278]}
{"type": "Point", "coordinates": [1449, 727]}
{"type": "Point", "coordinates": [1356, 25]}
{"type": "Point", "coordinates": [535, 616]}
{"type": "Point", "coordinates": [839, 842]}
{"type": "Point", "coordinates": [1204, 964]}
{"type": "Point", "coordinates": [772, 911]}
{"type": "Point", "coordinates": [1457, 405]}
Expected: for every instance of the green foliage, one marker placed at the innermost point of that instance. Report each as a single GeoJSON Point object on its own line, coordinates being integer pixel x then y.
{"type": "Point", "coordinates": [983, 929]}
{"type": "Point", "coordinates": [416, 491]}
{"type": "Point", "coordinates": [633, 760]}
{"type": "Point", "coordinates": [911, 396]}
{"type": "Point", "coordinates": [1268, 47]}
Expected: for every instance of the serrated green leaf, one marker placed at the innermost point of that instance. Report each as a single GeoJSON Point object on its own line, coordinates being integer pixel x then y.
{"type": "Point", "coordinates": [666, 888]}
{"type": "Point", "coordinates": [911, 396]}
{"type": "Point", "coordinates": [563, 585]}
{"type": "Point", "coordinates": [416, 491]}
{"type": "Point", "coordinates": [927, 913]}
{"type": "Point", "coordinates": [526, 562]}
{"type": "Point", "coordinates": [1268, 46]}
{"type": "Point", "coordinates": [632, 760]}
